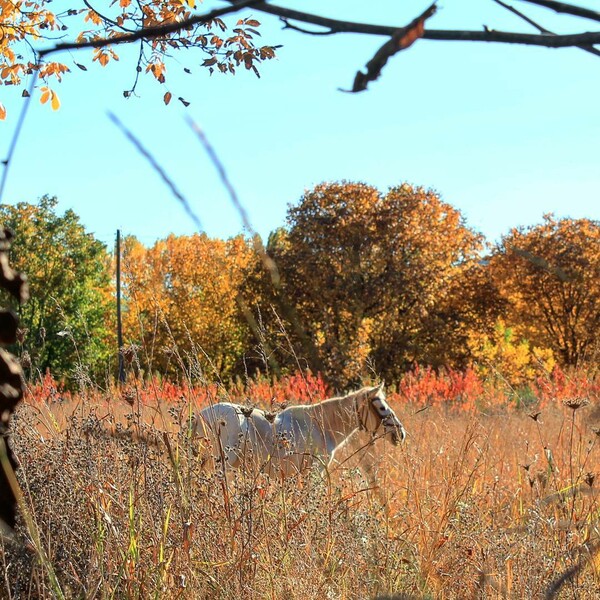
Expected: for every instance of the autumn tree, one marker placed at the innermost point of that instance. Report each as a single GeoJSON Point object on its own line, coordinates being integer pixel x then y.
{"type": "Point", "coordinates": [369, 272]}
{"type": "Point", "coordinates": [67, 325]}
{"type": "Point", "coordinates": [549, 276]}
{"type": "Point", "coordinates": [182, 303]}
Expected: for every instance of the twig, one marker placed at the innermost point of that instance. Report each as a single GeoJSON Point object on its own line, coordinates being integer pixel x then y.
{"type": "Point", "coordinates": [288, 25]}
{"type": "Point", "coordinates": [258, 245]}
{"type": "Point", "coordinates": [400, 40]}
{"type": "Point", "coordinates": [268, 263]}
{"type": "Point", "coordinates": [568, 9]}
{"type": "Point", "coordinates": [149, 32]}
{"type": "Point", "coordinates": [519, 14]}
{"type": "Point", "coordinates": [161, 172]}
{"type": "Point", "coordinates": [13, 143]}
{"type": "Point", "coordinates": [489, 35]}
{"type": "Point", "coordinates": [105, 18]}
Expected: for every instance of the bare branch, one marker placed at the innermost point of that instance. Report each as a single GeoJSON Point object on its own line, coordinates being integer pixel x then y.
{"type": "Point", "coordinates": [505, 37]}
{"type": "Point", "coordinates": [339, 26]}
{"type": "Point", "coordinates": [489, 35]}
{"type": "Point", "coordinates": [525, 18]}
{"type": "Point", "coordinates": [13, 143]}
{"type": "Point", "coordinates": [161, 172]}
{"type": "Point", "coordinates": [268, 262]}
{"type": "Point", "coordinates": [519, 14]}
{"type": "Point", "coordinates": [402, 39]}
{"type": "Point", "coordinates": [568, 9]}
{"type": "Point", "coordinates": [288, 25]}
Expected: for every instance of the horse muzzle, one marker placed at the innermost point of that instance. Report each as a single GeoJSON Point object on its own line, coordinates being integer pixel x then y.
{"type": "Point", "coordinates": [398, 435]}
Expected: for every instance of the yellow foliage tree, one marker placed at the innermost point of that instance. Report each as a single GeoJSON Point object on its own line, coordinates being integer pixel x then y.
{"type": "Point", "coordinates": [506, 356]}
{"type": "Point", "coordinates": [549, 276]}
{"type": "Point", "coordinates": [182, 307]}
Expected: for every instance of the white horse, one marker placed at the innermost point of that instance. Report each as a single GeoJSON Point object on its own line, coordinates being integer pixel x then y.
{"type": "Point", "coordinates": [297, 437]}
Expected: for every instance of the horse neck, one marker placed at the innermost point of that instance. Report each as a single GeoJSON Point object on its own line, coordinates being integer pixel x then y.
{"type": "Point", "coordinates": [338, 416]}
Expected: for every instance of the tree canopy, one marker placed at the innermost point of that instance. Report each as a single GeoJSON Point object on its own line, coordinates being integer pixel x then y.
{"type": "Point", "coordinates": [370, 283]}
{"type": "Point", "coordinates": [369, 272]}
{"type": "Point", "coordinates": [68, 324]}
{"type": "Point", "coordinates": [182, 304]}
{"type": "Point", "coordinates": [549, 276]}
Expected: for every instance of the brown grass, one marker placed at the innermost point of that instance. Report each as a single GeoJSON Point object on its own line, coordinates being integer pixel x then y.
{"type": "Point", "coordinates": [472, 506]}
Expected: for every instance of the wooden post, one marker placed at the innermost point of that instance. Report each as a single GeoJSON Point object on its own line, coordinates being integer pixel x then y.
{"type": "Point", "coordinates": [119, 324]}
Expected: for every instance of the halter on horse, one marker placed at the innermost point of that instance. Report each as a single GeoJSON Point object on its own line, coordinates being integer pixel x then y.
{"type": "Point", "coordinates": [298, 436]}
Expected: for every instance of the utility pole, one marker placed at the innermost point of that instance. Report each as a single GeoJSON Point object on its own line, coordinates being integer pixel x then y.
{"type": "Point", "coordinates": [119, 324]}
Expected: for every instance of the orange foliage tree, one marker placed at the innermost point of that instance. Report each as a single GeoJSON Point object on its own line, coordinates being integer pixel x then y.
{"type": "Point", "coordinates": [549, 276]}
{"type": "Point", "coordinates": [182, 307]}
{"type": "Point", "coordinates": [26, 26]}
{"type": "Point", "coordinates": [369, 274]}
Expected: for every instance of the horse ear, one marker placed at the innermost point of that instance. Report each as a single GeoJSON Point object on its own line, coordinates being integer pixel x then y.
{"type": "Point", "coordinates": [381, 386]}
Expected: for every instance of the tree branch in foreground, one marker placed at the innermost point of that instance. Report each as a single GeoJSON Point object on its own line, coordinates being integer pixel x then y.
{"type": "Point", "coordinates": [541, 29]}
{"type": "Point", "coordinates": [568, 9]}
{"type": "Point", "coordinates": [402, 39]}
{"type": "Point", "coordinates": [148, 33]}
{"type": "Point", "coordinates": [339, 26]}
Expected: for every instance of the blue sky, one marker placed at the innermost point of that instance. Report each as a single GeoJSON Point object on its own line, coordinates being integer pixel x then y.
{"type": "Point", "coordinates": [503, 133]}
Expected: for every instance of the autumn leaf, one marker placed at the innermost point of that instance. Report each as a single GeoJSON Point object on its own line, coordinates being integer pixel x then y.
{"type": "Point", "coordinates": [2, 112]}
{"type": "Point", "coordinates": [167, 97]}
{"type": "Point", "coordinates": [46, 94]}
{"type": "Point", "coordinates": [55, 102]}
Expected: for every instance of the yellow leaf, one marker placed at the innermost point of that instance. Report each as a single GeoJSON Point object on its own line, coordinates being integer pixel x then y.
{"type": "Point", "coordinates": [2, 112]}
{"type": "Point", "coordinates": [45, 94]}
{"type": "Point", "coordinates": [55, 103]}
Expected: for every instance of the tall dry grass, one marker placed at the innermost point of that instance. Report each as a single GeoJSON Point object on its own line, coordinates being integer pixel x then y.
{"type": "Point", "coordinates": [489, 503]}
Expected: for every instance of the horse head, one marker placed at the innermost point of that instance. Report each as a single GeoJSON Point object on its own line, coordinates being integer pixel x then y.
{"type": "Point", "coordinates": [377, 412]}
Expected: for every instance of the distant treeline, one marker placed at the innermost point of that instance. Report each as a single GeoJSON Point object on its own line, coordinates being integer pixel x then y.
{"type": "Point", "coordinates": [357, 284]}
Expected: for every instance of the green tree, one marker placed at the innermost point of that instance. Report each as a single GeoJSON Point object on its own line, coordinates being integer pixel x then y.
{"type": "Point", "coordinates": [369, 274]}
{"type": "Point", "coordinates": [67, 322]}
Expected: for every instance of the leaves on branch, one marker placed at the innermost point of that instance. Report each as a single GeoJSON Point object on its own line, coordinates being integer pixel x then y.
{"type": "Point", "coordinates": [402, 39]}
{"type": "Point", "coordinates": [160, 26]}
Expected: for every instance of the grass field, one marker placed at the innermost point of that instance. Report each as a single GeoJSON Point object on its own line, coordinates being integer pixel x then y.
{"type": "Point", "coordinates": [486, 499]}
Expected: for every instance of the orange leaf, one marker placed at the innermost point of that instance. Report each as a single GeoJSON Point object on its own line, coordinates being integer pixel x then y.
{"type": "Point", "coordinates": [45, 94]}
{"type": "Point", "coordinates": [2, 112]}
{"type": "Point", "coordinates": [167, 97]}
